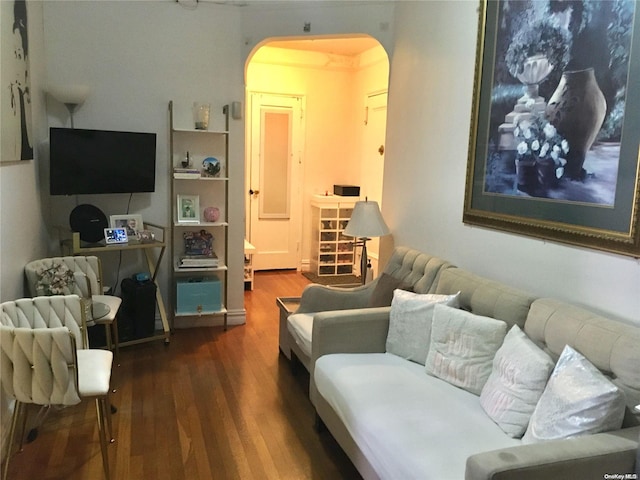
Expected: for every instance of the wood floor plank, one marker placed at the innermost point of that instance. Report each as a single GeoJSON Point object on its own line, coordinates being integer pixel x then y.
{"type": "Point", "coordinates": [211, 405]}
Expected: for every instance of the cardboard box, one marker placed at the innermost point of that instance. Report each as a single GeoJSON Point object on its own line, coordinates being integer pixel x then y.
{"type": "Point", "coordinates": [198, 295]}
{"type": "Point", "coordinates": [346, 190]}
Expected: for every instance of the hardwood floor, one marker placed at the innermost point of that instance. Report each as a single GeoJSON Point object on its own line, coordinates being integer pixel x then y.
{"type": "Point", "coordinates": [211, 405]}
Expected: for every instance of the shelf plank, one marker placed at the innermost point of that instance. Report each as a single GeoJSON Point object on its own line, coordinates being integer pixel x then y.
{"type": "Point", "coordinates": [222, 311]}
{"type": "Point", "coordinates": [193, 130]}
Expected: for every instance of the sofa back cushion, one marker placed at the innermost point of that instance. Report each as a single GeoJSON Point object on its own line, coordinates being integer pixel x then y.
{"type": "Point", "coordinates": [612, 346]}
{"type": "Point", "coordinates": [416, 270]}
{"type": "Point", "coordinates": [485, 297]}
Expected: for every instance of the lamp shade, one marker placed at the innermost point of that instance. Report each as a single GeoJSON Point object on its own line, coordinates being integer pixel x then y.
{"type": "Point", "coordinates": [366, 221]}
{"type": "Point", "coordinates": [69, 94]}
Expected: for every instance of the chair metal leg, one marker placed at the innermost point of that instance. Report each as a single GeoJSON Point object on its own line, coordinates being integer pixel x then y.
{"type": "Point", "coordinates": [100, 411]}
{"type": "Point", "coordinates": [116, 341]}
{"type": "Point", "coordinates": [108, 411]}
{"type": "Point", "coordinates": [12, 431]}
{"type": "Point", "coordinates": [107, 331]}
{"type": "Point", "coordinates": [40, 418]}
{"type": "Point", "coordinates": [23, 427]}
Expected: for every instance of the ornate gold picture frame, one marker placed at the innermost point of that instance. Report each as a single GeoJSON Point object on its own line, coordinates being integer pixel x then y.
{"type": "Point", "coordinates": [555, 125]}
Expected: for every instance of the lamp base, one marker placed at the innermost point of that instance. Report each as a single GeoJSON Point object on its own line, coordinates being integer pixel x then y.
{"type": "Point", "coordinates": [364, 261]}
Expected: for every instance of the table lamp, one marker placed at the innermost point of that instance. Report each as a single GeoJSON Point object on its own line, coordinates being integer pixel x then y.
{"type": "Point", "coordinates": [365, 223]}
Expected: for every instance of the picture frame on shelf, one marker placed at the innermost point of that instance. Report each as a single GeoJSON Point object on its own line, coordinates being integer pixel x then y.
{"type": "Point", "coordinates": [132, 223]}
{"type": "Point", "coordinates": [188, 208]}
{"type": "Point", "coordinates": [582, 188]}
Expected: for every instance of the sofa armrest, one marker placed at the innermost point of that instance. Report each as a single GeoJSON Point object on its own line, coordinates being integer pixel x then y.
{"type": "Point", "coordinates": [347, 331]}
{"type": "Point", "coordinates": [589, 456]}
{"type": "Point", "coordinates": [321, 298]}
{"type": "Point", "coordinates": [362, 330]}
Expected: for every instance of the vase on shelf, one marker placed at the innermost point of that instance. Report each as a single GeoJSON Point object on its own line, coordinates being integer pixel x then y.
{"type": "Point", "coordinates": [201, 115]}
{"type": "Point", "coordinates": [577, 109]}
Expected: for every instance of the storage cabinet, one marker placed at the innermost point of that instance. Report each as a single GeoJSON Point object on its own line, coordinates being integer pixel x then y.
{"type": "Point", "coordinates": [199, 200]}
{"type": "Point", "coordinates": [332, 253]}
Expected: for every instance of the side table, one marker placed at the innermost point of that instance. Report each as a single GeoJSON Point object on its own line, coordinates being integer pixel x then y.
{"type": "Point", "coordinates": [153, 263]}
{"type": "Point", "coordinates": [286, 305]}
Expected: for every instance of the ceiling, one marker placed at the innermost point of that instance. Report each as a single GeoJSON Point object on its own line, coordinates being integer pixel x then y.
{"type": "Point", "coordinates": [351, 46]}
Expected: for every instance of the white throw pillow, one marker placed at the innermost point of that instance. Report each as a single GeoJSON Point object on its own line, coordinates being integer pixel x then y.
{"type": "Point", "coordinates": [577, 400]}
{"type": "Point", "coordinates": [463, 346]}
{"type": "Point", "coordinates": [410, 323]}
{"type": "Point", "coordinates": [519, 374]}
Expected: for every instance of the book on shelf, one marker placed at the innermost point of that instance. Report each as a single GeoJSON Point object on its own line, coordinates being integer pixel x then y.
{"type": "Point", "coordinates": [198, 243]}
{"type": "Point", "coordinates": [198, 261]}
{"type": "Point", "coordinates": [179, 172]}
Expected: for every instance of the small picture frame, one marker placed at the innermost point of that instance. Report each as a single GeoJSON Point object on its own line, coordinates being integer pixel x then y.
{"type": "Point", "coordinates": [132, 223]}
{"type": "Point", "coordinates": [188, 208]}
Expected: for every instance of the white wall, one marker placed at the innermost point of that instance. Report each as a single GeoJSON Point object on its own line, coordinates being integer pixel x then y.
{"type": "Point", "coordinates": [432, 75]}
{"type": "Point", "coordinates": [23, 236]}
{"type": "Point", "coordinates": [135, 57]}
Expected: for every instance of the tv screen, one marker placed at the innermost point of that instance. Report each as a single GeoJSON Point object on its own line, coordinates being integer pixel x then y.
{"type": "Point", "coordinates": [101, 161]}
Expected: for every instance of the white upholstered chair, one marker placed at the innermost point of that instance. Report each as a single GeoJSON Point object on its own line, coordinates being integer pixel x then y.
{"type": "Point", "coordinates": [43, 361]}
{"type": "Point", "coordinates": [84, 278]}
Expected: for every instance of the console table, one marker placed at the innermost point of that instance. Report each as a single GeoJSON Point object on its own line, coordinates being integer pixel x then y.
{"type": "Point", "coordinates": [153, 262]}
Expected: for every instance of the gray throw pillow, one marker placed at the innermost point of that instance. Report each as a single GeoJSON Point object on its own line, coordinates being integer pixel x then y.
{"type": "Point", "coordinates": [382, 294]}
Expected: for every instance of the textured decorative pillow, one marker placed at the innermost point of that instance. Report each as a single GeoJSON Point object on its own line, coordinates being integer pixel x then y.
{"type": "Point", "coordinates": [463, 346]}
{"type": "Point", "coordinates": [519, 374]}
{"type": "Point", "coordinates": [577, 400]}
{"type": "Point", "coordinates": [410, 323]}
{"type": "Point", "coordinates": [382, 294]}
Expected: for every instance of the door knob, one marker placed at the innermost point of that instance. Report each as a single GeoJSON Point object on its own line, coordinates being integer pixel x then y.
{"type": "Point", "coordinates": [253, 192]}
{"type": "Point", "coordinates": [381, 150]}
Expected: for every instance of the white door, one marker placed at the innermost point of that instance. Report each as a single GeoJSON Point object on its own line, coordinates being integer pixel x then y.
{"type": "Point", "coordinates": [372, 162]}
{"type": "Point", "coordinates": [275, 186]}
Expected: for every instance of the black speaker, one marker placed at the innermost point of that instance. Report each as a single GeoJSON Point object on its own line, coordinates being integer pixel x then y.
{"type": "Point", "coordinates": [89, 221]}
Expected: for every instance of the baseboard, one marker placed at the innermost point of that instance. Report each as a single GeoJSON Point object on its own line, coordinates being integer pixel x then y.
{"type": "Point", "coordinates": [234, 317]}
{"type": "Point", "coordinates": [237, 317]}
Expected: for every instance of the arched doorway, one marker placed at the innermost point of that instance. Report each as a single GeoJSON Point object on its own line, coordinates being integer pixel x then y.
{"type": "Point", "coordinates": [320, 91]}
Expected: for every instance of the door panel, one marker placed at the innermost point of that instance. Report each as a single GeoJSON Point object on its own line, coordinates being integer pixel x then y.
{"type": "Point", "coordinates": [274, 206]}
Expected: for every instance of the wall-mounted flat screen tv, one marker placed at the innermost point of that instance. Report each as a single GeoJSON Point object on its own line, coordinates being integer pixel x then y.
{"type": "Point", "coordinates": [101, 161]}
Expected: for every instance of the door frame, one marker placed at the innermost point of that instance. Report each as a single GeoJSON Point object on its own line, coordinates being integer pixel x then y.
{"type": "Point", "coordinates": [297, 166]}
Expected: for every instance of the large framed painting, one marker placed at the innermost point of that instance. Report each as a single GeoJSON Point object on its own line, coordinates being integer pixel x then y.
{"type": "Point", "coordinates": [15, 100]}
{"type": "Point", "coordinates": [555, 127]}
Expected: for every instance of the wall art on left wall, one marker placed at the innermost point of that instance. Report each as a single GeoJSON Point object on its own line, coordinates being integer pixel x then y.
{"type": "Point", "coordinates": [15, 101]}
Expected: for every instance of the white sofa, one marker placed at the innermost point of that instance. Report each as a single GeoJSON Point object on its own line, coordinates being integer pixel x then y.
{"type": "Point", "coordinates": [396, 422]}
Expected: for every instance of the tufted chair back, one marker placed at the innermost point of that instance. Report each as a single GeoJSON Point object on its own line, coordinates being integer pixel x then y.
{"type": "Point", "coordinates": [46, 312]}
{"type": "Point", "coordinates": [38, 349]}
{"type": "Point", "coordinates": [87, 274]}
